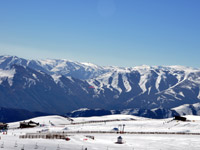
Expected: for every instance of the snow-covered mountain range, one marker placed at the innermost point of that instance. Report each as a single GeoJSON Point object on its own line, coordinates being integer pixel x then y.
{"type": "Point", "coordinates": [53, 66]}
{"type": "Point", "coordinates": [59, 86]}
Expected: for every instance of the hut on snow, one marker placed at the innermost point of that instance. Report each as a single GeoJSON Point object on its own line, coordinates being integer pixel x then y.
{"type": "Point", "coordinates": [3, 126]}
{"type": "Point", "coordinates": [29, 124]}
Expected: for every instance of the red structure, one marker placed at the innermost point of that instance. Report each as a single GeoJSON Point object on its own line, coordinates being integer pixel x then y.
{"type": "Point", "coordinates": [91, 87]}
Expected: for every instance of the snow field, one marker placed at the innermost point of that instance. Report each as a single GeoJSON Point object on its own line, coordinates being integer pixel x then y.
{"type": "Point", "coordinates": [107, 141]}
{"type": "Point", "coordinates": [79, 141]}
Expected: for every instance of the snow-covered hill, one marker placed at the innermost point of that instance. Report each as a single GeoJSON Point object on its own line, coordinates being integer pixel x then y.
{"type": "Point", "coordinates": [157, 113]}
{"type": "Point", "coordinates": [188, 109]}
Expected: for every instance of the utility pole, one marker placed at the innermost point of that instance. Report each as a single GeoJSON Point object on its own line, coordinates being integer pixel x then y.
{"type": "Point", "coordinates": [123, 128]}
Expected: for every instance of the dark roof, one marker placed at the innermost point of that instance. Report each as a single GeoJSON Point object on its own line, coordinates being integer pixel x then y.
{"type": "Point", "coordinates": [119, 137]}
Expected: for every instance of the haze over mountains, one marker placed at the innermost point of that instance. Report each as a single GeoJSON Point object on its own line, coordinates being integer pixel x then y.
{"type": "Point", "coordinates": [60, 86]}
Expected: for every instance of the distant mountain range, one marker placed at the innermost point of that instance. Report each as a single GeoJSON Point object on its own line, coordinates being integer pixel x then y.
{"type": "Point", "coordinates": [11, 115]}
{"type": "Point", "coordinates": [157, 113]}
{"type": "Point", "coordinates": [60, 86]}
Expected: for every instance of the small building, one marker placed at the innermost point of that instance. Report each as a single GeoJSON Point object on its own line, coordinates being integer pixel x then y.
{"type": "Point", "coordinates": [3, 126]}
{"type": "Point", "coordinates": [29, 124]}
{"type": "Point", "coordinates": [119, 140]}
{"type": "Point", "coordinates": [115, 129]}
{"type": "Point", "coordinates": [180, 118]}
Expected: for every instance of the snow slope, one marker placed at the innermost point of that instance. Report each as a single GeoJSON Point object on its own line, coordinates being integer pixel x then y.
{"type": "Point", "coordinates": [7, 75]}
{"type": "Point", "coordinates": [105, 141]}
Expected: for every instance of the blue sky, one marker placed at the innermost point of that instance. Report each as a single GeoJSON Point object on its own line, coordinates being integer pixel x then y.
{"type": "Point", "coordinates": [104, 32]}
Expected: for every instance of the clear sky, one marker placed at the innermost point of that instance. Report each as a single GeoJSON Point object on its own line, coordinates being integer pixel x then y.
{"type": "Point", "coordinates": [104, 32]}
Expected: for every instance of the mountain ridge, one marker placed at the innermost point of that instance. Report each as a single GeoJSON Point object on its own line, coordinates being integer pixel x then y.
{"type": "Point", "coordinates": [58, 86]}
